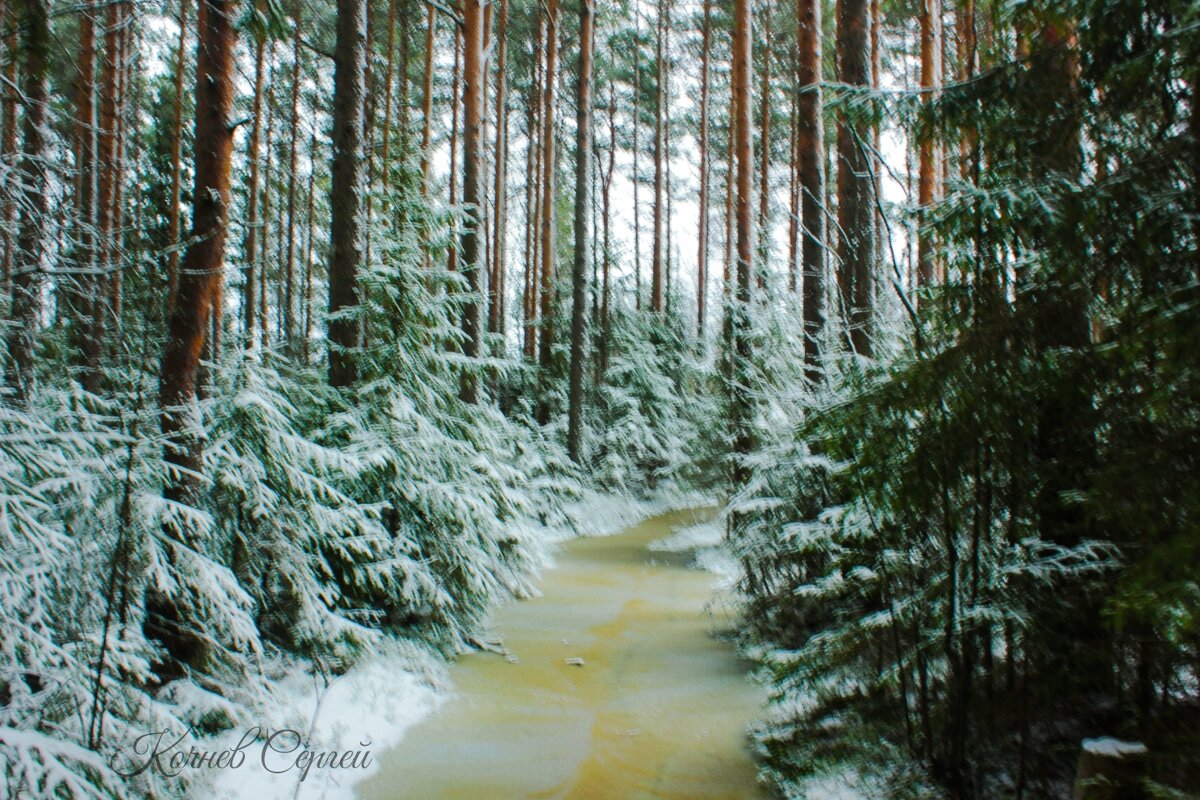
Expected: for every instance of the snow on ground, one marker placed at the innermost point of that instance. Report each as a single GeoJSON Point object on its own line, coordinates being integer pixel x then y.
{"type": "Point", "coordinates": [602, 514]}
{"type": "Point", "coordinates": [707, 539]}
{"type": "Point", "coordinates": [370, 708]}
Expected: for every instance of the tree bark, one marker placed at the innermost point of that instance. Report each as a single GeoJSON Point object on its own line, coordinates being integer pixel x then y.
{"type": "Point", "coordinates": [740, 319]}
{"type": "Point", "coordinates": [496, 297]}
{"type": "Point", "coordinates": [810, 156]}
{"type": "Point", "coordinates": [583, 168]}
{"type": "Point", "coordinates": [203, 263]}
{"type": "Point", "coordinates": [702, 233]}
{"type": "Point", "coordinates": [546, 334]}
{"type": "Point", "coordinates": [289, 263]}
{"type": "Point", "coordinates": [250, 248]}
{"type": "Point", "coordinates": [927, 188]}
{"type": "Point", "coordinates": [346, 191]}
{"type": "Point", "coordinates": [474, 75]}
{"type": "Point", "coordinates": [656, 257]}
{"type": "Point", "coordinates": [856, 248]}
{"type": "Point", "coordinates": [28, 267]}
{"type": "Point", "coordinates": [173, 220]}
{"type": "Point", "coordinates": [84, 293]}
{"type": "Point", "coordinates": [764, 174]}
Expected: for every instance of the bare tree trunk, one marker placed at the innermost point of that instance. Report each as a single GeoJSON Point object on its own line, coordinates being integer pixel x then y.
{"type": "Point", "coordinates": [606, 294]}
{"type": "Point", "coordinates": [346, 192]}
{"type": "Point", "coordinates": [656, 258]}
{"type": "Point", "coordinates": [637, 174]}
{"type": "Point", "coordinates": [810, 147]}
{"type": "Point", "coordinates": [203, 263]}
{"type": "Point", "coordinates": [931, 53]}
{"type": "Point", "coordinates": [474, 77]}
{"type": "Point", "coordinates": [856, 214]}
{"type": "Point", "coordinates": [264, 247]}
{"type": "Point", "coordinates": [455, 91]}
{"type": "Point", "coordinates": [28, 268]}
{"type": "Point", "coordinates": [583, 167]}
{"type": "Point", "coordinates": [427, 100]}
{"type": "Point", "coordinates": [306, 332]}
{"type": "Point", "coordinates": [84, 294]}
{"type": "Point", "coordinates": [177, 155]}
{"type": "Point", "coordinates": [8, 138]}
{"type": "Point", "coordinates": [289, 263]}
{"type": "Point", "coordinates": [764, 174]}
{"type": "Point", "coordinates": [533, 161]}
{"type": "Point", "coordinates": [249, 295]}
{"type": "Point", "coordinates": [546, 336]}
{"type": "Point", "coordinates": [702, 245]}
{"type": "Point", "coordinates": [793, 230]}
{"type": "Point", "coordinates": [739, 322]}
{"type": "Point", "coordinates": [500, 180]}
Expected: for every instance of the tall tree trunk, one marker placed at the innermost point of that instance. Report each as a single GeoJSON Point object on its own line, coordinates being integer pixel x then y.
{"type": "Point", "coordinates": [856, 246]}
{"type": "Point", "coordinates": [606, 292]}
{"type": "Point", "coordinates": [289, 262]}
{"type": "Point", "coordinates": [743, 120]}
{"type": "Point", "coordinates": [764, 170]}
{"type": "Point", "coordinates": [656, 258]}
{"type": "Point", "coordinates": [702, 233]}
{"type": "Point", "coordinates": [456, 88]}
{"type": "Point", "coordinates": [264, 225]}
{"type": "Point", "coordinates": [474, 77]}
{"type": "Point", "coordinates": [500, 181]}
{"type": "Point", "coordinates": [793, 230]}
{"type": "Point", "coordinates": [203, 263]}
{"type": "Point", "coordinates": [27, 274]}
{"type": "Point", "coordinates": [583, 168]}
{"type": "Point", "coordinates": [637, 174]}
{"type": "Point", "coordinates": [346, 191]}
{"type": "Point", "coordinates": [810, 157]}
{"type": "Point", "coordinates": [108, 177]}
{"type": "Point", "coordinates": [173, 218]}
{"type": "Point", "coordinates": [84, 293]}
{"type": "Point", "coordinates": [427, 100]}
{"type": "Point", "coordinates": [250, 249]}
{"type": "Point", "coordinates": [8, 137]}
{"type": "Point", "coordinates": [927, 177]}
{"type": "Point", "coordinates": [546, 335]}
{"type": "Point", "coordinates": [533, 161]}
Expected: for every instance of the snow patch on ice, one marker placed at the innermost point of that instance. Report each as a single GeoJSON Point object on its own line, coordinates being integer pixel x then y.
{"type": "Point", "coordinates": [707, 539]}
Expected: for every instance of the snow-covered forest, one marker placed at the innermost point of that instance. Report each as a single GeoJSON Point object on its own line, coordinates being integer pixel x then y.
{"type": "Point", "coordinates": [323, 319]}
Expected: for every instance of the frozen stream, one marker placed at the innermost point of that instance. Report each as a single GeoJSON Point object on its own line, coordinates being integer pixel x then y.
{"type": "Point", "coordinates": [658, 709]}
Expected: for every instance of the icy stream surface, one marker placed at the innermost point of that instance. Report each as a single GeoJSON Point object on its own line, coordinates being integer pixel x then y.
{"type": "Point", "coordinates": [658, 709]}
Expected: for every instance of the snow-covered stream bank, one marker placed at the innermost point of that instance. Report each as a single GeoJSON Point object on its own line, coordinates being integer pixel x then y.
{"type": "Point", "coordinates": [614, 689]}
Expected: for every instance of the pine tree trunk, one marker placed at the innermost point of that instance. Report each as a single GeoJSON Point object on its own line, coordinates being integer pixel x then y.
{"type": "Point", "coordinates": [856, 214]}
{"type": "Point", "coordinates": [203, 263]}
{"type": "Point", "coordinates": [546, 334]}
{"type": "Point", "coordinates": [8, 138]}
{"type": "Point", "coordinates": [656, 258]}
{"type": "Point", "coordinates": [474, 76]}
{"type": "Point", "coordinates": [28, 267]}
{"type": "Point", "coordinates": [499, 251]}
{"type": "Point", "coordinates": [583, 168]}
{"type": "Point", "coordinates": [427, 100]}
{"type": "Point", "coordinates": [740, 307]}
{"type": "Point", "coordinates": [455, 105]}
{"type": "Point", "coordinates": [250, 248]}
{"type": "Point", "coordinates": [637, 173]}
{"type": "Point", "coordinates": [289, 264]}
{"type": "Point", "coordinates": [173, 219]}
{"type": "Point", "coordinates": [931, 52]}
{"type": "Point", "coordinates": [810, 157]}
{"type": "Point", "coordinates": [83, 295]}
{"type": "Point", "coordinates": [702, 233]}
{"type": "Point", "coordinates": [764, 173]}
{"type": "Point", "coordinates": [347, 189]}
